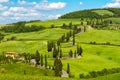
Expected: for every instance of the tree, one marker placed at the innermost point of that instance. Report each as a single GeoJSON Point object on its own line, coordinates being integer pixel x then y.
{"type": "Point", "coordinates": [60, 53]}
{"type": "Point", "coordinates": [81, 23]}
{"type": "Point", "coordinates": [73, 38]}
{"type": "Point", "coordinates": [1, 36]}
{"type": "Point", "coordinates": [68, 68]}
{"type": "Point", "coordinates": [37, 57]}
{"type": "Point", "coordinates": [70, 25]}
{"type": "Point", "coordinates": [75, 54]}
{"type": "Point", "coordinates": [41, 60]}
{"type": "Point", "coordinates": [55, 52]}
{"type": "Point", "coordinates": [49, 46]}
{"type": "Point", "coordinates": [45, 61]}
{"type": "Point", "coordinates": [64, 25]}
{"type": "Point", "coordinates": [71, 53]}
{"type": "Point", "coordinates": [80, 51]}
{"type": "Point", "coordinates": [57, 67]}
{"type": "Point", "coordinates": [58, 42]}
{"type": "Point", "coordinates": [67, 37]}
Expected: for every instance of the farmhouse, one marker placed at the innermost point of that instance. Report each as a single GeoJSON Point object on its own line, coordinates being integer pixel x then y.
{"type": "Point", "coordinates": [11, 54]}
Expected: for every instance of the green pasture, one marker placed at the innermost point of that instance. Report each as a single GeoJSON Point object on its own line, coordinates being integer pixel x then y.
{"type": "Point", "coordinates": [103, 12]}
{"type": "Point", "coordinates": [57, 22]}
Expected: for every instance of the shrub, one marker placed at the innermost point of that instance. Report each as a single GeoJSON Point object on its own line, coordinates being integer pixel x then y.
{"type": "Point", "coordinates": [3, 70]}
{"type": "Point", "coordinates": [81, 76]}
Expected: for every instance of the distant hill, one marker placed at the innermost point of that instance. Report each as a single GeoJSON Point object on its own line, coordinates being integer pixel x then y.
{"type": "Point", "coordinates": [93, 13]}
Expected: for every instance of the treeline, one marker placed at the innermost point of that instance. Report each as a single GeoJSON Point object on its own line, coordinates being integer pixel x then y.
{"type": "Point", "coordinates": [20, 27]}
{"type": "Point", "coordinates": [94, 74]}
{"type": "Point", "coordinates": [91, 14]}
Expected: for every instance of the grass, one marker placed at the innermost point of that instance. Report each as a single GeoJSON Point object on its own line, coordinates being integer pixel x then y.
{"type": "Point", "coordinates": [57, 22]}
{"type": "Point", "coordinates": [47, 34]}
{"type": "Point", "coordinates": [30, 46]}
{"type": "Point", "coordinates": [95, 57]}
{"type": "Point", "coordinates": [103, 12]}
{"type": "Point", "coordinates": [115, 20]}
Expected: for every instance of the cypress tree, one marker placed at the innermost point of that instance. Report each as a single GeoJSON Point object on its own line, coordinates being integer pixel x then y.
{"type": "Point", "coordinates": [71, 53]}
{"type": "Point", "coordinates": [45, 61]}
{"type": "Point", "coordinates": [58, 42]}
{"type": "Point", "coordinates": [57, 67]}
{"type": "Point", "coordinates": [70, 25]}
{"type": "Point", "coordinates": [78, 49]}
{"type": "Point", "coordinates": [70, 33]}
{"type": "Point", "coordinates": [81, 23]}
{"type": "Point", "coordinates": [55, 52]}
{"type": "Point", "coordinates": [68, 68]}
{"type": "Point", "coordinates": [75, 54]}
{"type": "Point", "coordinates": [67, 37]}
{"type": "Point", "coordinates": [73, 38]}
{"type": "Point", "coordinates": [49, 46]}
{"type": "Point", "coordinates": [81, 51]}
{"type": "Point", "coordinates": [60, 53]}
{"type": "Point", "coordinates": [37, 57]}
{"type": "Point", "coordinates": [41, 60]}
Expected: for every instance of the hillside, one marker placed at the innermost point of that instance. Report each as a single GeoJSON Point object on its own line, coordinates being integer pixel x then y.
{"type": "Point", "coordinates": [93, 13]}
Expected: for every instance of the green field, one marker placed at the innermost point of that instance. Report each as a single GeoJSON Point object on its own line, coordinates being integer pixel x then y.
{"type": "Point", "coordinates": [57, 22]}
{"type": "Point", "coordinates": [95, 57]}
{"type": "Point", "coordinates": [103, 12]}
{"type": "Point", "coordinates": [96, 53]}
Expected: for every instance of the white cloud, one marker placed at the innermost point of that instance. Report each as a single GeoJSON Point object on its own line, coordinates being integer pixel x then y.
{"type": "Point", "coordinates": [51, 6]}
{"type": "Point", "coordinates": [4, 1]}
{"type": "Point", "coordinates": [81, 3]}
{"type": "Point", "coordinates": [17, 9]}
{"type": "Point", "coordinates": [21, 2]}
{"type": "Point", "coordinates": [24, 10]}
{"type": "Point", "coordinates": [116, 3]}
{"type": "Point", "coordinates": [54, 16]}
{"type": "Point", "coordinates": [58, 5]}
{"type": "Point", "coordinates": [3, 7]}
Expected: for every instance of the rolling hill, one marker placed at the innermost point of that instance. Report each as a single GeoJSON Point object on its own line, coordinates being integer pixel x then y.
{"type": "Point", "coordinates": [93, 13]}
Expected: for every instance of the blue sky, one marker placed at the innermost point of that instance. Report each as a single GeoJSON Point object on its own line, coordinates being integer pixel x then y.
{"type": "Point", "coordinates": [25, 10]}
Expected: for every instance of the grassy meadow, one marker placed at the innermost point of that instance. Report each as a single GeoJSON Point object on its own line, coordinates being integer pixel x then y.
{"type": "Point", "coordinates": [95, 57]}
{"type": "Point", "coordinates": [57, 22]}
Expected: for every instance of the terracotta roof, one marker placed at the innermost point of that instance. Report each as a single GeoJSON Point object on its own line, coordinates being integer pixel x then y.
{"type": "Point", "coordinates": [12, 53]}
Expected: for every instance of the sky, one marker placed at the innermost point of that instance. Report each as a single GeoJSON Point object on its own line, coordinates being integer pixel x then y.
{"type": "Point", "coordinates": [12, 11]}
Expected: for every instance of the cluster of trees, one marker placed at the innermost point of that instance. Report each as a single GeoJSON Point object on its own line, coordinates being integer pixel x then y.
{"type": "Point", "coordinates": [39, 59]}
{"type": "Point", "coordinates": [1, 36]}
{"type": "Point", "coordinates": [81, 14]}
{"type": "Point", "coordinates": [50, 45]}
{"type": "Point", "coordinates": [94, 74]}
{"type": "Point", "coordinates": [76, 53]}
{"type": "Point", "coordinates": [20, 27]}
{"type": "Point", "coordinates": [70, 26]}
{"type": "Point", "coordinates": [6, 60]}
{"type": "Point", "coordinates": [99, 23]}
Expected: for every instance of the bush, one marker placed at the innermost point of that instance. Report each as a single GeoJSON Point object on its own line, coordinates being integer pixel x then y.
{"type": "Point", "coordinates": [81, 76]}
{"type": "Point", "coordinates": [3, 70]}
{"type": "Point", "coordinates": [71, 75]}
{"type": "Point", "coordinates": [107, 43]}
